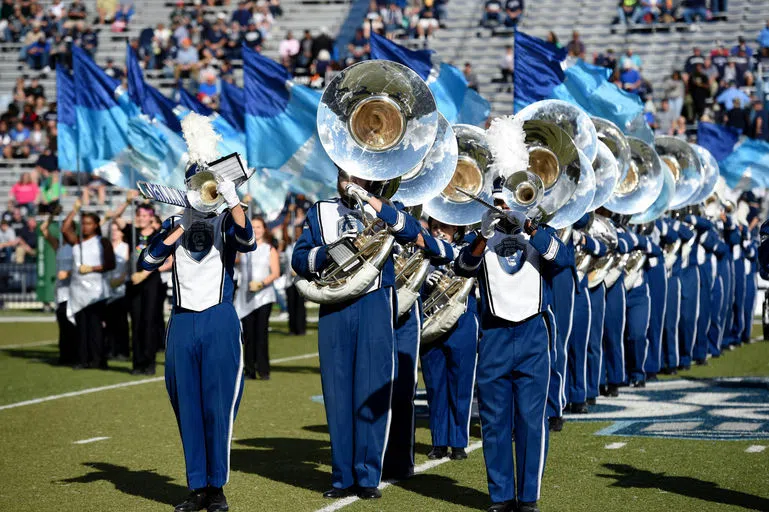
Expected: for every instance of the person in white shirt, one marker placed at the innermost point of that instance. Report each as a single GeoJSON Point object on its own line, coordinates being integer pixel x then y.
{"type": "Point", "coordinates": [289, 47]}
{"type": "Point", "coordinates": [116, 311]}
{"type": "Point", "coordinates": [254, 299]}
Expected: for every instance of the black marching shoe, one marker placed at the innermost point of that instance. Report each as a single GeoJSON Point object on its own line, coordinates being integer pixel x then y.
{"type": "Point", "coordinates": [701, 362]}
{"type": "Point", "coordinates": [369, 493]}
{"type": "Point", "coordinates": [528, 507]}
{"type": "Point", "coordinates": [652, 377]}
{"type": "Point", "coordinates": [438, 452]}
{"type": "Point", "coordinates": [216, 500]}
{"type": "Point", "coordinates": [613, 390]}
{"type": "Point", "coordinates": [502, 506]}
{"type": "Point", "coordinates": [578, 408]}
{"type": "Point", "coordinates": [339, 493]}
{"type": "Point", "coordinates": [684, 367]}
{"type": "Point", "coordinates": [197, 500]}
{"type": "Point", "coordinates": [591, 401]}
{"type": "Point", "coordinates": [458, 454]}
{"type": "Point", "coordinates": [555, 423]}
{"type": "Point", "coordinates": [638, 384]}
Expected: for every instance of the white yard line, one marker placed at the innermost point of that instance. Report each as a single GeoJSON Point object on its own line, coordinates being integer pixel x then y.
{"type": "Point", "coordinates": [755, 448]}
{"type": "Point", "coordinates": [615, 446]}
{"type": "Point", "coordinates": [430, 464]}
{"type": "Point", "coordinates": [125, 385]}
{"type": "Point", "coordinates": [30, 344]}
{"type": "Point", "coordinates": [91, 440]}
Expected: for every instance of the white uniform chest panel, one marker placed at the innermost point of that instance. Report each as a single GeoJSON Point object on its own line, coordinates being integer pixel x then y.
{"type": "Point", "coordinates": [199, 266]}
{"type": "Point", "coordinates": [511, 269]}
{"type": "Point", "coordinates": [335, 218]}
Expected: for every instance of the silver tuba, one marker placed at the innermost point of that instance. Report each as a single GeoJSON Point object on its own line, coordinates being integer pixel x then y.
{"type": "Point", "coordinates": [377, 120]}
{"type": "Point", "coordinates": [443, 307]}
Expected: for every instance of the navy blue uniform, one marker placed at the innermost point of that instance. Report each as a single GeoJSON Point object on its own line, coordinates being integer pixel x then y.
{"type": "Point", "coordinates": [670, 338]}
{"type": "Point", "coordinates": [204, 359]}
{"type": "Point", "coordinates": [614, 320]}
{"type": "Point", "coordinates": [562, 284]}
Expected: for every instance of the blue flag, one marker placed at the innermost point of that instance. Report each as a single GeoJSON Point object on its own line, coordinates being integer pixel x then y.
{"type": "Point", "coordinates": [102, 110]}
{"type": "Point", "coordinates": [281, 129]}
{"type": "Point", "coordinates": [232, 105]}
{"type": "Point", "coordinates": [233, 141]}
{"type": "Point", "coordinates": [717, 139]}
{"type": "Point", "coordinates": [66, 120]}
{"type": "Point", "coordinates": [190, 102]}
{"type": "Point", "coordinates": [538, 75]}
{"type": "Point", "coordinates": [748, 163]}
{"type": "Point", "coordinates": [152, 102]}
{"type": "Point", "coordinates": [455, 101]}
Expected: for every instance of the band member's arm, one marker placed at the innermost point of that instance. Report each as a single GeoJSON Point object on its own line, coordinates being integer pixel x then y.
{"type": "Point", "coordinates": [439, 251]}
{"type": "Point", "coordinates": [471, 256]}
{"type": "Point", "coordinates": [625, 242]}
{"type": "Point", "coordinates": [161, 245]}
{"type": "Point", "coordinates": [731, 233]}
{"type": "Point", "coordinates": [309, 255]}
{"type": "Point", "coordinates": [593, 246]}
{"type": "Point", "coordinates": [404, 227]}
{"type": "Point", "coordinates": [52, 240]}
{"type": "Point", "coordinates": [699, 223]}
{"type": "Point", "coordinates": [545, 240]}
{"type": "Point", "coordinates": [242, 236]}
{"type": "Point", "coordinates": [668, 235]}
{"type": "Point", "coordinates": [685, 233]}
{"type": "Point", "coordinates": [117, 215]}
{"type": "Point", "coordinates": [68, 226]}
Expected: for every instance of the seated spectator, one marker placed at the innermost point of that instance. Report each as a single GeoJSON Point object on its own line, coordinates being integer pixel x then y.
{"type": "Point", "coordinates": [651, 11]}
{"type": "Point", "coordinates": [359, 46]}
{"type": "Point", "coordinates": [8, 241]}
{"type": "Point", "coordinates": [665, 118]}
{"type": "Point", "coordinates": [28, 115]}
{"type": "Point", "coordinates": [506, 65]}
{"type": "Point", "coordinates": [186, 61]}
{"type": "Point", "coordinates": [763, 36]}
{"type": "Point", "coordinates": [727, 97]}
{"type": "Point", "coordinates": [124, 13]}
{"type": "Point", "coordinates": [105, 11]}
{"type": "Point", "coordinates": [630, 78]}
{"type": "Point", "coordinates": [37, 138]}
{"type": "Point", "coordinates": [695, 9]}
{"type": "Point", "coordinates": [608, 61]}
{"type": "Point", "coordinates": [392, 19]}
{"type": "Point", "coordinates": [19, 147]}
{"type": "Point", "coordinates": [215, 37]}
{"type": "Point", "coordinates": [742, 45]}
{"type": "Point", "coordinates": [263, 18]}
{"type": "Point", "coordinates": [15, 25]}
{"type": "Point", "coordinates": [25, 193]}
{"type": "Point", "coordinates": [737, 117]}
{"type": "Point", "coordinates": [514, 12]}
{"type": "Point", "coordinates": [679, 128]}
{"type": "Point", "coordinates": [26, 248]}
{"type": "Point", "coordinates": [233, 47]}
{"type": "Point", "coordinates": [5, 137]}
{"type": "Point", "coordinates": [37, 54]}
{"type": "Point", "coordinates": [289, 46]}
{"type": "Point", "coordinates": [89, 41]}
{"type": "Point", "coordinates": [57, 12]}
{"type": "Point", "coordinates": [712, 73]}
{"type": "Point", "coordinates": [112, 70]}
{"type": "Point", "coordinates": [242, 14]}
{"type": "Point", "coordinates": [252, 36]}
{"type": "Point", "coordinates": [373, 20]}
{"type": "Point", "coordinates": [631, 57]}
{"type": "Point", "coordinates": [492, 13]}
{"type": "Point", "coordinates": [720, 56]}
{"type": "Point", "coordinates": [471, 77]}
{"type": "Point", "coordinates": [628, 11]}
{"type": "Point", "coordinates": [427, 23]}
{"type": "Point", "coordinates": [741, 66]}
{"type": "Point", "coordinates": [322, 42]}
{"type": "Point", "coordinates": [207, 86]}
{"type": "Point", "coordinates": [553, 39]}
{"type": "Point", "coordinates": [76, 15]}
{"type": "Point", "coordinates": [576, 47]}
{"type": "Point", "coordinates": [759, 125]}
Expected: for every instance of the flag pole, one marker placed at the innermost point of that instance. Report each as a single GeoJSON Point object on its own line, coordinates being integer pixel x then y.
{"type": "Point", "coordinates": [512, 88]}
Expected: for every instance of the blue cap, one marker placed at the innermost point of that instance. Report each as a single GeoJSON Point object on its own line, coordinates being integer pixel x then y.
{"type": "Point", "coordinates": [192, 170]}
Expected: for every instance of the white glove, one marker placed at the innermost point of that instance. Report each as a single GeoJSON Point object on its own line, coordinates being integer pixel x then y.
{"type": "Point", "coordinates": [228, 192]}
{"type": "Point", "coordinates": [352, 190]}
{"type": "Point", "coordinates": [488, 222]}
{"type": "Point", "coordinates": [434, 277]}
{"type": "Point", "coordinates": [577, 237]}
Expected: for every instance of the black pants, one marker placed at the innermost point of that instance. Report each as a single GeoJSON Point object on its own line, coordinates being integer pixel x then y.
{"type": "Point", "coordinates": [116, 320]}
{"type": "Point", "coordinates": [255, 333]}
{"type": "Point", "coordinates": [145, 335]}
{"type": "Point", "coordinates": [68, 336]}
{"type": "Point", "coordinates": [160, 324]}
{"type": "Point", "coordinates": [297, 313]}
{"type": "Point", "coordinates": [92, 350]}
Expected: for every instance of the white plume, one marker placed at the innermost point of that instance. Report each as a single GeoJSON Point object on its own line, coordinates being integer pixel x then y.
{"type": "Point", "coordinates": [508, 147]}
{"type": "Point", "coordinates": [201, 138]}
{"type": "Point", "coordinates": [741, 213]}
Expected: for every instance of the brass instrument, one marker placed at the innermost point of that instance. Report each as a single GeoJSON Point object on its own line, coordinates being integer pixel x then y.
{"type": "Point", "coordinates": [682, 160]}
{"type": "Point", "coordinates": [445, 304]}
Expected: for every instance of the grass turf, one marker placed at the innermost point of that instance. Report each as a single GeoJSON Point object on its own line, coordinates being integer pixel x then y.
{"type": "Point", "coordinates": [281, 457]}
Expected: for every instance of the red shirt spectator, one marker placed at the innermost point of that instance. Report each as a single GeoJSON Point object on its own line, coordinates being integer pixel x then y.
{"type": "Point", "coordinates": [25, 191]}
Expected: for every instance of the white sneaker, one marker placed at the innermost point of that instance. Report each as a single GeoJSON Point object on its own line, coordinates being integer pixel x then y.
{"type": "Point", "coordinates": [47, 69]}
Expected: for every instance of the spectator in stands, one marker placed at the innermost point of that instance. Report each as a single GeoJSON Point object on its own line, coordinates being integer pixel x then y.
{"type": "Point", "coordinates": [759, 121]}
{"type": "Point", "coordinates": [694, 9]}
{"type": "Point", "coordinates": [37, 138]}
{"type": "Point", "coordinates": [427, 23]}
{"type": "Point", "coordinates": [263, 18]}
{"type": "Point", "coordinates": [207, 87]}
{"type": "Point", "coordinates": [694, 59]}
{"type": "Point", "coordinates": [112, 70]}
{"type": "Point", "coordinates": [373, 20]}
{"type": "Point", "coordinates": [123, 14]}
{"type": "Point", "coordinates": [37, 54]}
{"type": "Point", "coordinates": [25, 193]}
{"type": "Point", "coordinates": [742, 66]}
{"type": "Point", "coordinates": [89, 41]}
{"type": "Point", "coordinates": [275, 8]}
{"type": "Point", "coordinates": [720, 56]}
{"type": "Point", "coordinates": [322, 42]}
{"type": "Point", "coordinates": [76, 15]}
{"type": "Point", "coordinates": [742, 45]}
{"type": "Point", "coordinates": [16, 23]}
{"type": "Point", "coordinates": [492, 13]}
{"type": "Point", "coordinates": [8, 241]}
{"type": "Point", "coordinates": [628, 12]}
{"type": "Point", "coordinates": [665, 118]}
{"type": "Point", "coordinates": [289, 47]}
{"type": "Point", "coordinates": [358, 47]}
{"type": "Point", "coordinates": [26, 249]}
{"type": "Point", "coordinates": [763, 36]}
{"type": "Point", "coordinates": [186, 61]}
{"type": "Point", "coordinates": [608, 61]}
{"type": "Point", "coordinates": [674, 90]}
{"type": "Point", "coordinates": [392, 19]}
{"type": "Point", "coordinates": [631, 57]}
{"type": "Point", "coordinates": [242, 14]}
{"type": "Point", "coordinates": [553, 39]}
{"type": "Point", "coordinates": [105, 11]}
{"type": "Point", "coordinates": [215, 38]}
{"type": "Point", "coordinates": [576, 47]}
{"type": "Point", "coordinates": [252, 36]}
{"type": "Point", "coordinates": [738, 117]}
{"type": "Point", "coordinates": [57, 13]}
{"type": "Point", "coordinates": [513, 12]}
{"type": "Point", "coordinates": [19, 147]}
{"type": "Point", "coordinates": [630, 78]}
{"type": "Point", "coordinates": [5, 137]}
{"type": "Point", "coordinates": [728, 95]}
{"type": "Point", "coordinates": [711, 71]}
{"type": "Point", "coordinates": [471, 77]}
{"type": "Point", "coordinates": [442, 11]}
{"type": "Point", "coordinates": [506, 67]}
{"type": "Point", "coordinates": [699, 90]}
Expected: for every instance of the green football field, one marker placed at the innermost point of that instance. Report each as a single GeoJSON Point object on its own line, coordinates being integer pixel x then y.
{"type": "Point", "coordinates": [110, 443]}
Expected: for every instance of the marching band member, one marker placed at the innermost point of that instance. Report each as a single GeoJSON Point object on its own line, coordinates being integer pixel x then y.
{"type": "Point", "coordinates": [92, 259]}
{"type": "Point", "coordinates": [595, 357]}
{"type": "Point", "coordinates": [204, 359]}
{"type": "Point", "coordinates": [763, 251]}
{"type": "Point", "coordinates": [355, 338]}
{"type": "Point", "coordinates": [751, 285]}
{"type": "Point", "coordinates": [399, 454]}
{"type": "Point", "coordinates": [514, 261]}
{"type": "Point", "coordinates": [727, 234]}
{"type": "Point", "coordinates": [707, 244]}
{"type": "Point", "coordinates": [254, 299]}
{"type": "Point", "coordinates": [670, 339]}
{"type": "Point", "coordinates": [579, 337]}
{"type": "Point", "coordinates": [656, 277]}
{"type": "Point", "coordinates": [448, 368]}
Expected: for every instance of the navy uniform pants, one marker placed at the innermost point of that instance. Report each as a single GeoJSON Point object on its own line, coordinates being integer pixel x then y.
{"type": "Point", "coordinates": [513, 381]}
{"type": "Point", "coordinates": [658, 290]}
{"type": "Point", "coordinates": [595, 343]}
{"type": "Point", "coordinates": [562, 312]}
{"type": "Point", "coordinates": [356, 343]}
{"type": "Point", "coordinates": [204, 377]}
{"type": "Point", "coordinates": [751, 290]}
{"type": "Point", "coordinates": [614, 334]}
{"type": "Point", "coordinates": [717, 297]}
{"type": "Point", "coordinates": [733, 335]}
{"type": "Point", "coordinates": [690, 310]}
{"type": "Point", "coordinates": [700, 351]}
{"type": "Point", "coordinates": [399, 455]}
{"type": "Point", "coordinates": [576, 373]}
{"type": "Point", "coordinates": [670, 346]}
{"type": "Point", "coordinates": [448, 368]}
{"type": "Point", "coordinates": [636, 344]}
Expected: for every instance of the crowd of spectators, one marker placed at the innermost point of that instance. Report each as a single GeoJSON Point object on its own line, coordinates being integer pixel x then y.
{"type": "Point", "coordinates": [404, 19]}
{"type": "Point", "coordinates": [649, 12]}
{"type": "Point", "coordinates": [47, 34]}
{"type": "Point", "coordinates": [502, 13]}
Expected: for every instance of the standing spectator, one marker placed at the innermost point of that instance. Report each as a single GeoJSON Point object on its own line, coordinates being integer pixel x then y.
{"type": "Point", "coordinates": [694, 59]}
{"type": "Point", "coordinates": [514, 12]}
{"type": "Point", "coordinates": [242, 14]}
{"type": "Point", "coordinates": [506, 67]}
{"type": "Point", "coordinates": [471, 77]}
{"type": "Point", "coordinates": [288, 47]}
{"type": "Point", "coordinates": [305, 45]}
{"type": "Point", "coordinates": [695, 9]}
{"type": "Point", "coordinates": [665, 118]}
{"type": "Point", "coordinates": [553, 39]}
{"type": "Point", "coordinates": [631, 57]}
{"type": "Point", "coordinates": [759, 123]}
{"type": "Point", "coordinates": [674, 91]}
{"type": "Point", "coordinates": [630, 78]}
{"type": "Point", "coordinates": [720, 56]}
{"type": "Point", "coordinates": [492, 13]}
{"type": "Point", "coordinates": [322, 42]}
{"type": "Point", "coordinates": [700, 91]}
{"type": "Point", "coordinates": [763, 36]}
{"type": "Point", "coordinates": [738, 117]}
{"type": "Point", "coordinates": [254, 300]}
{"type": "Point", "coordinates": [576, 47]}
{"type": "Point", "coordinates": [742, 66]}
